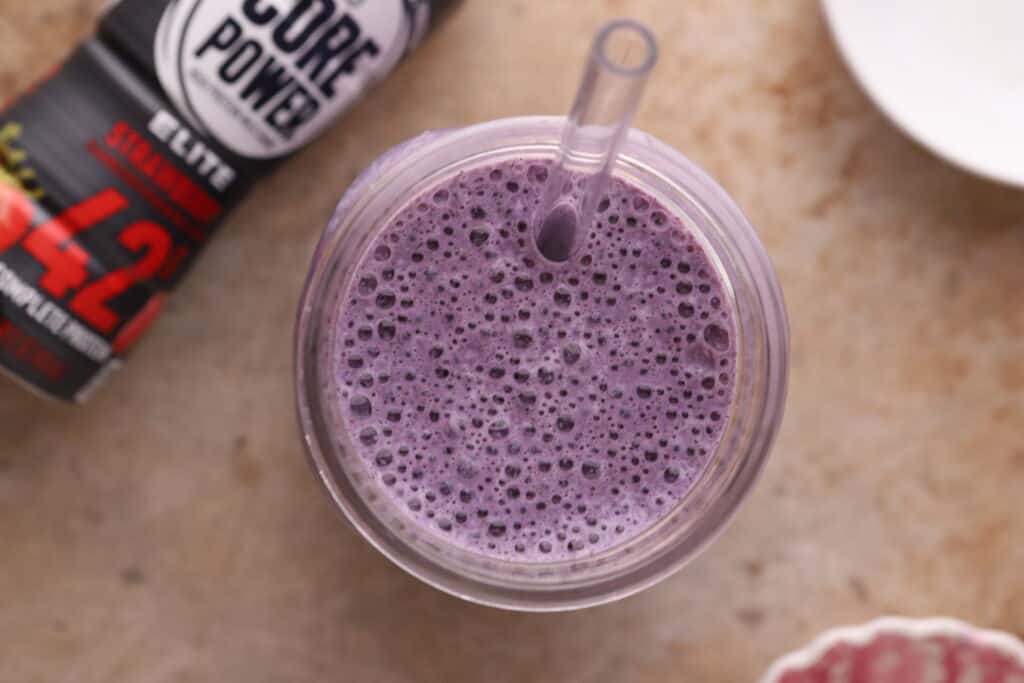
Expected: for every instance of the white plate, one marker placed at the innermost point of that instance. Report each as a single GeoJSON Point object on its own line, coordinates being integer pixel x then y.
{"type": "Point", "coordinates": [949, 72]}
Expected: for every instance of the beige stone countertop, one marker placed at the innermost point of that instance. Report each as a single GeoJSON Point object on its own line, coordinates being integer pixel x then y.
{"type": "Point", "coordinates": [170, 530]}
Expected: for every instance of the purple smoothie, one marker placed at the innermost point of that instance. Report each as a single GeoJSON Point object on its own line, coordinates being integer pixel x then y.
{"type": "Point", "coordinates": [523, 409]}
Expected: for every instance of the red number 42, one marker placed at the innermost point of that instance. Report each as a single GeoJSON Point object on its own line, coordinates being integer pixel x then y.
{"type": "Point", "coordinates": [67, 263]}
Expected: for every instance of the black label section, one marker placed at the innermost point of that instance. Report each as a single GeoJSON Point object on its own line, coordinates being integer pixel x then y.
{"type": "Point", "coordinates": [130, 28]}
{"type": "Point", "coordinates": [106, 197]}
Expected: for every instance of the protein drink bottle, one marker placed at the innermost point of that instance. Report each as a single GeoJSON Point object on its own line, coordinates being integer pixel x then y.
{"type": "Point", "coordinates": [117, 167]}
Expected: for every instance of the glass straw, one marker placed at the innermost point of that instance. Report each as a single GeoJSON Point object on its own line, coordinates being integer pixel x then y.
{"type": "Point", "coordinates": [621, 58]}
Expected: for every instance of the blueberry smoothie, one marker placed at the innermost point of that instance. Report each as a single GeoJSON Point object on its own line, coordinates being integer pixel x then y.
{"type": "Point", "coordinates": [523, 409]}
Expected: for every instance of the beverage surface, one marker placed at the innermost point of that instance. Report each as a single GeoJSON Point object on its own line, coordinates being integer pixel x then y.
{"type": "Point", "coordinates": [523, 409]}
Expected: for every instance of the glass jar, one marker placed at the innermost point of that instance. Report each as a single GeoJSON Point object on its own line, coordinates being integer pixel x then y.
{"type": "Point", "coordinates": [403, 174]}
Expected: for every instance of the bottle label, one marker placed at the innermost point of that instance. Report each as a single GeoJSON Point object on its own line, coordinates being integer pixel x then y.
{"type": "Point", "coordinates": [106, 197]}
{"type": "Point", "coordinates": [264, 77]}
{"type": "Point", "coordinates": [111, 182]}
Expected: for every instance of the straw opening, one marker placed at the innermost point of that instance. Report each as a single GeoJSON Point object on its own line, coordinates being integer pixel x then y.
{"type": "Point", "coordinates": [626, 48]}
